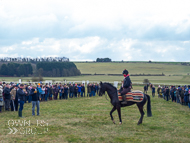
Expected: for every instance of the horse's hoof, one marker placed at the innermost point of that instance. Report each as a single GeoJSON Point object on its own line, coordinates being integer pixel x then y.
{"type": "Point", "coordinates": [120, 123]}
{"type": "Point", "coordinates": [113, 121]}
{"type": "Point", "coordinates": [139, 123]}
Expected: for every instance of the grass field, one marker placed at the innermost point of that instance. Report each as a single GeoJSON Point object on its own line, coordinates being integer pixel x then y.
{"type": "Point", "coordinates": [88, 120]}
{"type": "Point", "coordinates": [133, 68]}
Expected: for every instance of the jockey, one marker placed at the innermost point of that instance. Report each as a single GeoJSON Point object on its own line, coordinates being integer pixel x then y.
{"type": "Point", "coordinates": [126, 86]}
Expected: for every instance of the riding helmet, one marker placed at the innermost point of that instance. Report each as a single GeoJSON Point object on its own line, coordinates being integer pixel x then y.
{"type": "Point", "coordinates": [125, 72]}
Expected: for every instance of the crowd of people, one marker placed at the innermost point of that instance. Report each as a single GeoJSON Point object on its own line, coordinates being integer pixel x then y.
{"type": "Point", "coordinates": [14, 95]}
{"type": "Point", "coordinates": [178, 94]}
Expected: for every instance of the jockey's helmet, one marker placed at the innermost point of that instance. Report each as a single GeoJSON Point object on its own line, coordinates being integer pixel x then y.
{"type": "Point", "coordinates": [125, 72]}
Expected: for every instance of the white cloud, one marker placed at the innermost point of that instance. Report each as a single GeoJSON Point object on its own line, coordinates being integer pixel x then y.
{"type": "Point", "coordinates": [81, 30]}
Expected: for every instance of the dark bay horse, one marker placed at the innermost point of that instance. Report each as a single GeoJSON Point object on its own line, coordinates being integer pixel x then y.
{"type": "Point", "coordinates": [112, 93]}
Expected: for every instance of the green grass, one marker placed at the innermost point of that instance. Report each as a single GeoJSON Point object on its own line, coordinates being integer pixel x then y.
{"type": "Point", "coordinates": [88, 120]}
{"type": "Point", "coordinates": [133, 68]}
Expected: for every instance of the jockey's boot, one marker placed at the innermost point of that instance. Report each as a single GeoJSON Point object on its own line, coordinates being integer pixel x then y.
{"type": "Point", "coordinates": [124, 100]}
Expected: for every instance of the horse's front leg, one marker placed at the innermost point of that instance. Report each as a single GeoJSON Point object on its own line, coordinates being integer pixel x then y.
{"type": "Point", "coordinates": [113, 109]}
{"type": "Point", "coordinates": [119, 113]}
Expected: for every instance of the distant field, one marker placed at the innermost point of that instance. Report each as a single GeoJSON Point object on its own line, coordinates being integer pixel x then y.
{"type": "Point", "coordinates": [133, 68]}
{"type": "Point", "coordinates": [153, 79]}
{"type": "Point", "coordinates": [178, 70]}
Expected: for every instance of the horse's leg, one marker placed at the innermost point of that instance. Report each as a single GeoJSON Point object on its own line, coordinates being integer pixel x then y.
{"type": "Point", "coordinates": [140, 106]}
{"type": "Point", "coordinates": [119, 114]}
{"type": "Point", "coordinates": [113, 109]}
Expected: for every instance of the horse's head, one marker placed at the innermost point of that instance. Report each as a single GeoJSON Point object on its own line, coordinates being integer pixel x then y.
{"type": "Point", "coordinates": [102, 89]}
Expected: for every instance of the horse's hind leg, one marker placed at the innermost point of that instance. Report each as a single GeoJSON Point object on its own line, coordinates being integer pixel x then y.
{"type": "Point", "coordinates": [113, 109]}
{"type": "Point", "coordinates": [140, 106]}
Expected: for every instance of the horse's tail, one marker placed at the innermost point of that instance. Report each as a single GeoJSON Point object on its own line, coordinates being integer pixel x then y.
{"type": "Point", "coordinates": [149, 112]}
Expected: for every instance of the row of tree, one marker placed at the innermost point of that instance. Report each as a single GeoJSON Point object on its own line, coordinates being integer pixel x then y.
{"type": "Point", "coordinates": [15, 69]}
{"type": "Point", "coordinates": [48, 69]}
{"type": "Point", "coordinates": [57, 69]}
{"type": "Point", "coordinates": [103, 60]}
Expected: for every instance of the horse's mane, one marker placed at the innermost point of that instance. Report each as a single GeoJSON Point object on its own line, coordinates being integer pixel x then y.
{"type": "Point", "coordinates": [111, 85]}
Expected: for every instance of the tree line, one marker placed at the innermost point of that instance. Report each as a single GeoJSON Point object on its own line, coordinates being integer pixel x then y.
{"type": "Point", "coordinates": [103, 60]}
{"type": "Point", "coordinates": [48, 69]}
{"type": "Point", "coordinates": [57, 69]}
{"type": "Point", "coordinates": [15, 69]}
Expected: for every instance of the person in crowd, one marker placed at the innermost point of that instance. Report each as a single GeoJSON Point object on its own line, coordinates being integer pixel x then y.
{"type": "Point", "coordinates": [177, 95]}
{"type": "Point", "coordinates": [30, 97]}
{"type": "Point", "coordinates": [145, 89]}
{"type": "Point", "coordinates": [21, 98]}
{"type": "Point", "coordinates": [71, 90]}
{"type": "Point", "coordinates": [174, 91]}
{"type": "Point", "coordinates": [35, 100]}
{"type": "Point", "coordinates": [93, 89]}
{"type": "Point", "coordinates": [167, 92]}
{"type": "Point", "coordinates": [82, 90]}
{"type": "Point", "coordinates": [39, 90]}
{"type": "Point", "coordinates": [97, 89]}
{"type": "Point", "coordinates": [46, 92]}
{"type": "Point", "coordinates": [186, 94]}
{"type": "Point", "coordinates": [50, 91]}
{"type": "Point", "coordinates": [1, 97]}
{"type": "Point", "coordinates": [7, 97]}
{"type": "Point", "coordinates": [14, 101]}
{"type": "Point", "coordinates": [56, 90]}
{"type": "Point", "coordinates": [182, 96]}
{"type": "Point", "coordinates": [61, 96]}
{"type": "Point", "coordinates": [163, 91]}
{"type": "Point", "coordinates": [75, 90]}
{"type": "Point", "coordinates": [153, 91]}
{"type": "Point", "coordinates": [189, 97]}
{"type": "Point", "coordinates": [159, 91]}
{"type": "Point", "coordinates": [89, 90]}
{"type": "Point", "coordinates": [24, 89]}
{"type": "Point", "coordinates": [43, 93]}
{"type": "Point", "coordinates": [63, 92]}
{"type": "Point", "coordinates": [66, 92]}
{"type": "Point", "coordinates": [79, 90]}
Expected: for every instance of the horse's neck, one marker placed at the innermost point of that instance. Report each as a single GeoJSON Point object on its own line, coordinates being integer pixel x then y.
{"type": "Point", "coordinates": [110, 92]}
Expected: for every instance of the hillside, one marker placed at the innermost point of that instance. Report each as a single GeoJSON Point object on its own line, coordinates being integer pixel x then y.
{"type": "Point", "coordinates": [133, 68]}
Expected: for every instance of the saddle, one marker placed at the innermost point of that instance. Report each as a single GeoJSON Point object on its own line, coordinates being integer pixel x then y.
{"type": "Point", "coordinates": [135, 96]}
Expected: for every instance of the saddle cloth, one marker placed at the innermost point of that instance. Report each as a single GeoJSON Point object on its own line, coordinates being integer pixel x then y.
{"type": "Point", "coordinates": [135, 96]}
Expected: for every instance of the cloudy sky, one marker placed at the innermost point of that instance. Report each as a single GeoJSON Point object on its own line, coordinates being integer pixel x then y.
{"type": "Point", "coordinates": [135, 30]}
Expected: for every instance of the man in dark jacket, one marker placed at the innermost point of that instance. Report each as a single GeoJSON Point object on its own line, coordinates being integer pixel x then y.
{"type": "Point", "coordinates": [93, 90]}
{"type": "Point", "coordinates": [167, 93]}
{"type": "Point", "coordinates": [75, 90]}
{"type": "Point", "coordinates": [83, 90]}
{"type": "Point", "coordinates": [21, 99]}
{"type": "Point", "coordinates": [7, 97]}
{"type": "Point", "coordinates": [35, 100]}
{"type": "Point", "coordinates": [71, 91]}
{"type": "Point", "coordinates": [55, 90]}
{"type": "Point", "coordinates": [126, 86]}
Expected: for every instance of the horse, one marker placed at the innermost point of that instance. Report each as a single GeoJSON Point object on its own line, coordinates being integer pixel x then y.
{"type": "Point", "coordinates": [113, 95]}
